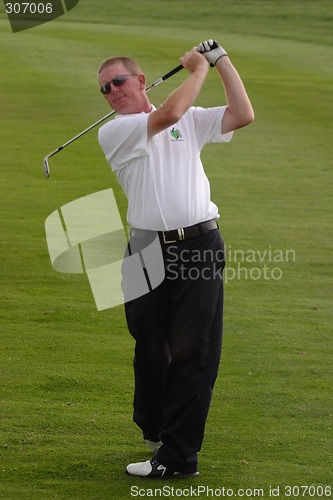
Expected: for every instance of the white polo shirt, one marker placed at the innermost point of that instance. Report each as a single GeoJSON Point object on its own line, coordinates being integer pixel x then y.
{"type": "Point", "coordinates": [163, 177]}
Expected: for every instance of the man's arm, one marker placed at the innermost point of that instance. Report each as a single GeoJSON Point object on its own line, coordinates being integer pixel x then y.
{"type": "Point", "coordinates": [239, 111]}
{"type": "Point", "coordinates": [181, 99]}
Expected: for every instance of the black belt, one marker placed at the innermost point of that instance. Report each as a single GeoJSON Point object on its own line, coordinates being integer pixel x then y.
{"type": "Point", "coordinates": [175, 235]}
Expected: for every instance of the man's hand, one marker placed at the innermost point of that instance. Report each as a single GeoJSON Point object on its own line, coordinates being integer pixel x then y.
{"type": "Point", "coordinates": [192, 61]}
{"type": "Point", "coordinates": [212, 51]}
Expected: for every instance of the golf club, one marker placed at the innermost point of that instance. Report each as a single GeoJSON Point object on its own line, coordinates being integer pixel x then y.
{"type": "Point", "coordinates": [46, 159]}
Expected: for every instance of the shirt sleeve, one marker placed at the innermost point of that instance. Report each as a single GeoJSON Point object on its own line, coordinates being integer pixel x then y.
{"type": "Point", "coordinates": [124, 139]}
{"type": "Point", "coordinates": [208, 122]}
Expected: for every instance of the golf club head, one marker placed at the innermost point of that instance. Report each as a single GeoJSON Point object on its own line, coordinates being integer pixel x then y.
{"type": "Point", "coordinates": [46, 167]}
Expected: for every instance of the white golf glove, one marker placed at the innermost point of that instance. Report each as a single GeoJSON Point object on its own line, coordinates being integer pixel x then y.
{"type": "Point", "coordinates": [212, 51]}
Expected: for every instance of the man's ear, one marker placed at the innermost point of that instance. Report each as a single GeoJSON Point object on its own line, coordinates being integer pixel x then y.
{"type": "Point", "coordinates": [142, 81]}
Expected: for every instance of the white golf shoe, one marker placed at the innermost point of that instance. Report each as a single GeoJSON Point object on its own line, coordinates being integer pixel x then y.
{"type": "Point", "coordinates": [153, 469]}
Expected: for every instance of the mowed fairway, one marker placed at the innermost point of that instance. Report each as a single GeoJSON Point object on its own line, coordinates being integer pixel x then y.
{"type": "Point", "coordinates": [66, 381]}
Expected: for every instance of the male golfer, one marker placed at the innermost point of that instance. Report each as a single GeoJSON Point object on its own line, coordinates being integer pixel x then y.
{"type": "Point", "coordinates": [155, 154]}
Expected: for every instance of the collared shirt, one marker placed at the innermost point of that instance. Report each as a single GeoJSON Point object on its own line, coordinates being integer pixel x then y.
{"type": "Point", "coordinates": [163, 177]}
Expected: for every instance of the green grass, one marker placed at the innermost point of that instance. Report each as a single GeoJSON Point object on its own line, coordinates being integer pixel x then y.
{"type": "Point", "coordinates": [66, 375]}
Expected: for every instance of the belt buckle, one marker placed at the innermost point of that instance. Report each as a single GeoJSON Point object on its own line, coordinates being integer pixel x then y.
{"type": "Point", "coordinates": [181, 236]}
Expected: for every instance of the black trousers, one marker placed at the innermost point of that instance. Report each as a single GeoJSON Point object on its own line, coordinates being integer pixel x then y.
{"type": "Point", "coordinates": [178, 332]}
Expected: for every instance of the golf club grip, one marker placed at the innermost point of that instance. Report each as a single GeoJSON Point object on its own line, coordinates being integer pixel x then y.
{"type": "Point", "coordinates": [172, 72]}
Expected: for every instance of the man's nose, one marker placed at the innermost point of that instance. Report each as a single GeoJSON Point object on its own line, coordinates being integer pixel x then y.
{"type": "Point", "coordinates": [114, 88]}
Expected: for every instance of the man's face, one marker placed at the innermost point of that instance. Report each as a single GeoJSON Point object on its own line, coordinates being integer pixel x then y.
{"type": "Point", "coordinates": [128, 98]}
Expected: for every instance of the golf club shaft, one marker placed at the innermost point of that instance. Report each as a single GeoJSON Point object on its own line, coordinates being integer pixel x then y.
{"type": "Point", "coordinates": [165, 77]}
{"type": "Point", "coordinates": [60, 148]}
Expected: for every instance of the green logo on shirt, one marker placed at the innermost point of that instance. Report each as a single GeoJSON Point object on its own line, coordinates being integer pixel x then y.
{"type": "Point", "coordinates": [176, 134]}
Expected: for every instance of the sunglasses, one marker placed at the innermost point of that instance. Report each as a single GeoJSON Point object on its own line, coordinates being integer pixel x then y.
{"type": "Point", "coordinates": [117, 82]}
